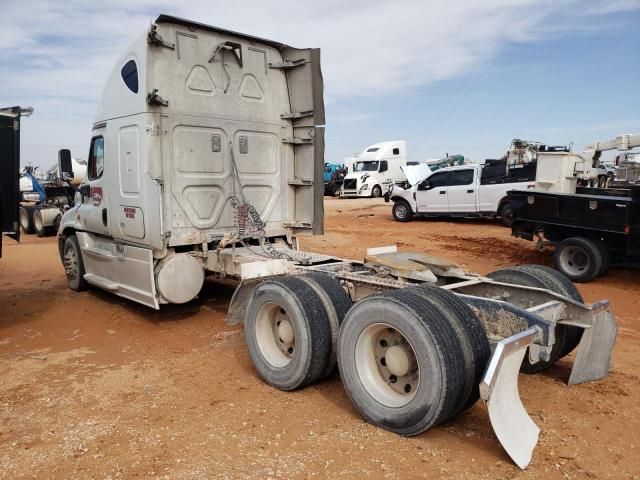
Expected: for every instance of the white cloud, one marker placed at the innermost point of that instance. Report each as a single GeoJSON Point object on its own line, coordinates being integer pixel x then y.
{"type": "Point", "coordinates": [612, 6]}
{"type": "Point", "coordinates": [55, 55]}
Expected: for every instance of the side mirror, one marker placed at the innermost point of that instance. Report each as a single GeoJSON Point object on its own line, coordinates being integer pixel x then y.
{"type": "Point", "coordinates": [85, 190]}
{"type": "Point", "coordinates": [424, 185]}
{"type": "Point", "coordinates": [65, 168]}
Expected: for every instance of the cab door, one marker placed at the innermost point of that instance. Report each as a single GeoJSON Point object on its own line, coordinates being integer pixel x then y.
{"type": "Point", "coordinates": [94, 210]}
{"type": "Point", "coordinates": [431, 195]}
{"type": "Point", "coordinates": [461, 195]}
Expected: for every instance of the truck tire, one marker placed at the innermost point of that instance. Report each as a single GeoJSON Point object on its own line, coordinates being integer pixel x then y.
{"type": "Point", "coordinates": [567, 338]}
{"type": "Point", "coordinates": [73, 264]}
{"type": "Point", "coordinates": [337, 303]}
{"type": "Point", "coordinates": [26, 218]}
{"type": "Point", "coordinates": [578, 258]}
{"type": "Point", "coordinates": [401, 211]}
{"type": "Point", "coordinates": [401, 362]}
{"type": "Point", "coordinates": [287, 332]}
{"type": "Point", "coordinates": [474, 342]}
{"type": "Point", "coordinates": [606, 257]}
{"type": "Point", "coordinates": [559, 283]}
{"type": "Point", "coordinates": [38, 224]}
{"type": "Point", "coordinates": [376, 191]}
{"type": "Point", "coordinates": [507, 214]}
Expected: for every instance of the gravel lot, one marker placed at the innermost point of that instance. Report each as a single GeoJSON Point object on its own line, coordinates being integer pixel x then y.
{"type": "Point", "coordinates": [94, 386]}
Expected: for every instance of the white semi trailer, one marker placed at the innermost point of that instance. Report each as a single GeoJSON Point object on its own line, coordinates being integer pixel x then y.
{"type": "Point", "coordinates": [207, 156]}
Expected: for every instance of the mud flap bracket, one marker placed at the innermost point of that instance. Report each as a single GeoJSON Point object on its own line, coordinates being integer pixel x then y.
{"type": "Point", "coordinates": [515, 430]}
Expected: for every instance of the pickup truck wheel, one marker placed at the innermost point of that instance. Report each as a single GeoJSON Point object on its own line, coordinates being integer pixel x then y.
{"type": "Point", "coordinates": [401, 211]}
{"type": "Point", "coordinates": [376, 191]}
{"type": "Point", "coordinates": [26, 218]}
{"type": "Point", "coordinates": [578, 258]}
{"type": "Point", "coordinates": [401, 362]}
{"type": "Point", "coordinates": [507, 214]}
{"type": "Point", "coordinates": [336, 302]}
{"type": "Point", "coordinates": [73, 264]}
{"type": "Point", "coordinates": [287, 332]}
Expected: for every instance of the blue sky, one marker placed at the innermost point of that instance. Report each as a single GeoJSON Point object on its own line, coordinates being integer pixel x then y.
{"type": "Point", "coordinates": [447, 76]}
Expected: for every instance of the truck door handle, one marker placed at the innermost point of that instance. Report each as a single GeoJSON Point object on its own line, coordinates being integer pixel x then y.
{"type": "Point", "coordinates": [470, 191]}
{"type": "Point", "coordinates": [442, 192]}
{"type": "Point", "coordinates": [104, 217]}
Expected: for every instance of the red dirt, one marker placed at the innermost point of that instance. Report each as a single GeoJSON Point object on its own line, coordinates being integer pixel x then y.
{"type": "Point", "coordinates": [94, 386]}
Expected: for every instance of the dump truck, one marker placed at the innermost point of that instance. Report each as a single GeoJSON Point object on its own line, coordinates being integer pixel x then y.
{"type": "Point", "coordinates": [207, 157]}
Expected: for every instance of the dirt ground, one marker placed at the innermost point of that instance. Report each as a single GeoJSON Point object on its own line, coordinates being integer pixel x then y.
{"type": "Point", "coordinates": [94, 386]}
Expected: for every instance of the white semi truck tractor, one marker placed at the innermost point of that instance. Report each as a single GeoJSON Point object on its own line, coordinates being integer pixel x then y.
{"type": "Point", "coordinates": [376, 169]}
{"type": "Point", "coordinates": [207, 156]}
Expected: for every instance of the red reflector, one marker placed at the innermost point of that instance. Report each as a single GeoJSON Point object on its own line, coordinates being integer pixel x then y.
{"type": "Point", "coordinates": [627, 229]}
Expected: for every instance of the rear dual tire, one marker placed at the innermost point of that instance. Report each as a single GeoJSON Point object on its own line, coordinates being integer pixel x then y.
{"type": "Point", "coordinates": [291, 328]}
{"type": "Point", "coordinates": [539, 276]}
{"type": "Point", "coordinates": [38, 224]}
{"type": "Point", "coordinates": [407, 361]}
{"type": "Point", "coordinates": [26, 218]}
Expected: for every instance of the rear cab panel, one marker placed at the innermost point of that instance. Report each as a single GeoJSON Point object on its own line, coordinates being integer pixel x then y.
{"type": "Point", "coordinates": [239, 125]}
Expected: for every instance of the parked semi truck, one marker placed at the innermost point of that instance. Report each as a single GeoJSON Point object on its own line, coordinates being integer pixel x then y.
{"type": "Point", "coordinates": [333, 177]}
{"type": "Point", "coordinates": [207, 156]}
{"type": "Point", "coordinates": [375, 170]}
{"type": "Point", "coordinates": [43, 205]}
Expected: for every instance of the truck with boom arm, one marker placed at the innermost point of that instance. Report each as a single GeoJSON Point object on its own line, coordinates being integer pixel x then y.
{"type": "Point", "coordinates": [590, 229]}
{"type": "Point", "coordinates": [207, 157]}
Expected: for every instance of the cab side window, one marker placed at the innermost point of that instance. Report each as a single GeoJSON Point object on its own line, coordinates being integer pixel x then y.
{"type": "Point", "coordinates": [462, 177]}
{"type": "Point", "coordinates": [130, 75]}
{"type": "Point", "coordinates": [440, 180]}
{"type": "Point", "coordinates": [96, 158]}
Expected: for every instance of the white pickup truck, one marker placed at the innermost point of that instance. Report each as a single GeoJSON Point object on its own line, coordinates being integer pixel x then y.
{"type": "Point", "coordinates": [461, 191]}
